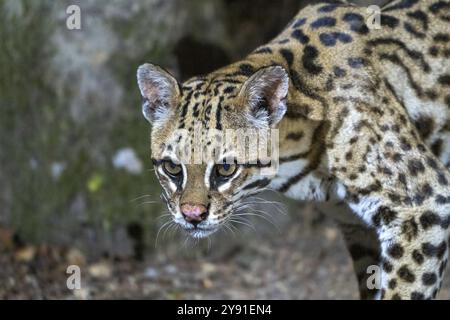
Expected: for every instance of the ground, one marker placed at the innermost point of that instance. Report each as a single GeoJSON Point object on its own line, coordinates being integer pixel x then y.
{"type": "Point", "coordinates": [305, 259]}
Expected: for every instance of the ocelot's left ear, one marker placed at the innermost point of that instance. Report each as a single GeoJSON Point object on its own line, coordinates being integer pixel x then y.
{"type": "Point", "coordinates": [264, 95]}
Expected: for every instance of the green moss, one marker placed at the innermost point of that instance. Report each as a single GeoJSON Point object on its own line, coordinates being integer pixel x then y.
{"type": "Point", "coordinates": [27, 103]}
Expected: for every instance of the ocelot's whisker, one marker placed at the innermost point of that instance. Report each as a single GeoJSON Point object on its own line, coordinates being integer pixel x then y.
{"type": "Point", "coordinates": [140, 197]}
{"type": "Point", "coordinates": [243, 223]}
{"type": "Point", "coordinates": [260, 216]}
{"type": "Point", "coordinates": [165, 225]}
{"type": "Point", "coordinates": [147, 202]}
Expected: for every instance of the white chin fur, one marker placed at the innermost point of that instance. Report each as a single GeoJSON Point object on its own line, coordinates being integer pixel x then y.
{"type": "Point", "coordinates": [199, 233]}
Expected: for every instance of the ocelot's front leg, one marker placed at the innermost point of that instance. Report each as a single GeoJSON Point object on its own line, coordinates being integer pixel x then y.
{"type": "Point", "coordinates": [363, 246]}
{"type": "Point", "coordinates": [414, 252]}
{"type": "Point", "coordinates": [362, 243]}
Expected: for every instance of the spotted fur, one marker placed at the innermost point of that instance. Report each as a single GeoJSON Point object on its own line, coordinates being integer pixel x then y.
{"type": "Point", "coordinates": [363, 119]}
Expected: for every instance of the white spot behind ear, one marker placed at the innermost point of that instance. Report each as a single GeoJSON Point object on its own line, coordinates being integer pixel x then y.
{"type": "Point", "coordinates": [264, 94]}
{"type": "Point", "coordinates": [159, 89]}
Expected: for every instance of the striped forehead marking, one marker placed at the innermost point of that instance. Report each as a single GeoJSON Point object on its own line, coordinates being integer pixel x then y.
{"type": "Point", "coordinates": [203, 102]}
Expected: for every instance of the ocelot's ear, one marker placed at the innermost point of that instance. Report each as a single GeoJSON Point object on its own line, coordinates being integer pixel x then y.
{"type": "Point", "coordinates": [159, 90]}
{"type": "Point", "coordinates": [264, 95]}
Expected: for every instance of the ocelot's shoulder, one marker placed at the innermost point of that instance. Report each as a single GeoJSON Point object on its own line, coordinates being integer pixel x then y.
{"type": "Point", "coordinates": [325, 30]}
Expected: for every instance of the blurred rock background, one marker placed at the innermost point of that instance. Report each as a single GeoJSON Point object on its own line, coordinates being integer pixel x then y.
{"type": "Point", "coordinates": [74, 146]}
{"type": "Point", "coordinates": [75, 175]}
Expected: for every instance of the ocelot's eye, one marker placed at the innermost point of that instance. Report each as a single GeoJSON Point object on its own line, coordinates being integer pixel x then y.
{"type": "Point", "coordinates": [171, 168]}
{"type": "Point", "coordinates": [226, 169]}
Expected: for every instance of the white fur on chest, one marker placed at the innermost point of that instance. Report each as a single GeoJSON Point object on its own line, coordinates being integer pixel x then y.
{"type": "Point", "coordinates": [309, 187]}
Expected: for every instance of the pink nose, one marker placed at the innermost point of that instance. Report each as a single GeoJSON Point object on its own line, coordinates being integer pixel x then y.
{"type": "Point", "coordinates": [194, 213]}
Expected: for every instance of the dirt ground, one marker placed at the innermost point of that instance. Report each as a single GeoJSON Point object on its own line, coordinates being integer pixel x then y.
{"type": "Point", "coordinates": [305, 259]}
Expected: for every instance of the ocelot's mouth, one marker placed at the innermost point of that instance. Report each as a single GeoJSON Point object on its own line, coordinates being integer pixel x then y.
{"type": "Point", "coordinates": [200, 232]}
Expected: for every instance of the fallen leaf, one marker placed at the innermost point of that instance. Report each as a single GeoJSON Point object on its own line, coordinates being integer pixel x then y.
{"type": "Point", "coordinates": [75, 257]}
{"type": "Point", "coordinates": [208, 268]}
{"type": "Point", "coordinates": [25, 254]}
{"type": "Point", "coordinates": [6, 238]}
{"type": "Point", "coordinates": [82, 294]}
{"type": "Point", "coordinates": [100, 270]}
{"type": "Point", "coordinates": [207, 284]}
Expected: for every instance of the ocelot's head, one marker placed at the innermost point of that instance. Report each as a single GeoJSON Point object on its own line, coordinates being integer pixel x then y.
{"type": "Point", "coordinates": [203, 139]}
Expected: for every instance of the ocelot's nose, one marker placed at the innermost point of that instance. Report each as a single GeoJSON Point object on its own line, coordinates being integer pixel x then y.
{"type": "Point", "coordinates": [194, 212]}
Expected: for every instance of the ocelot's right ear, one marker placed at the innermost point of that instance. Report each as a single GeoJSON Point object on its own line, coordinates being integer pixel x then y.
{"type": "Point", "coordinates": [160, 91]}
